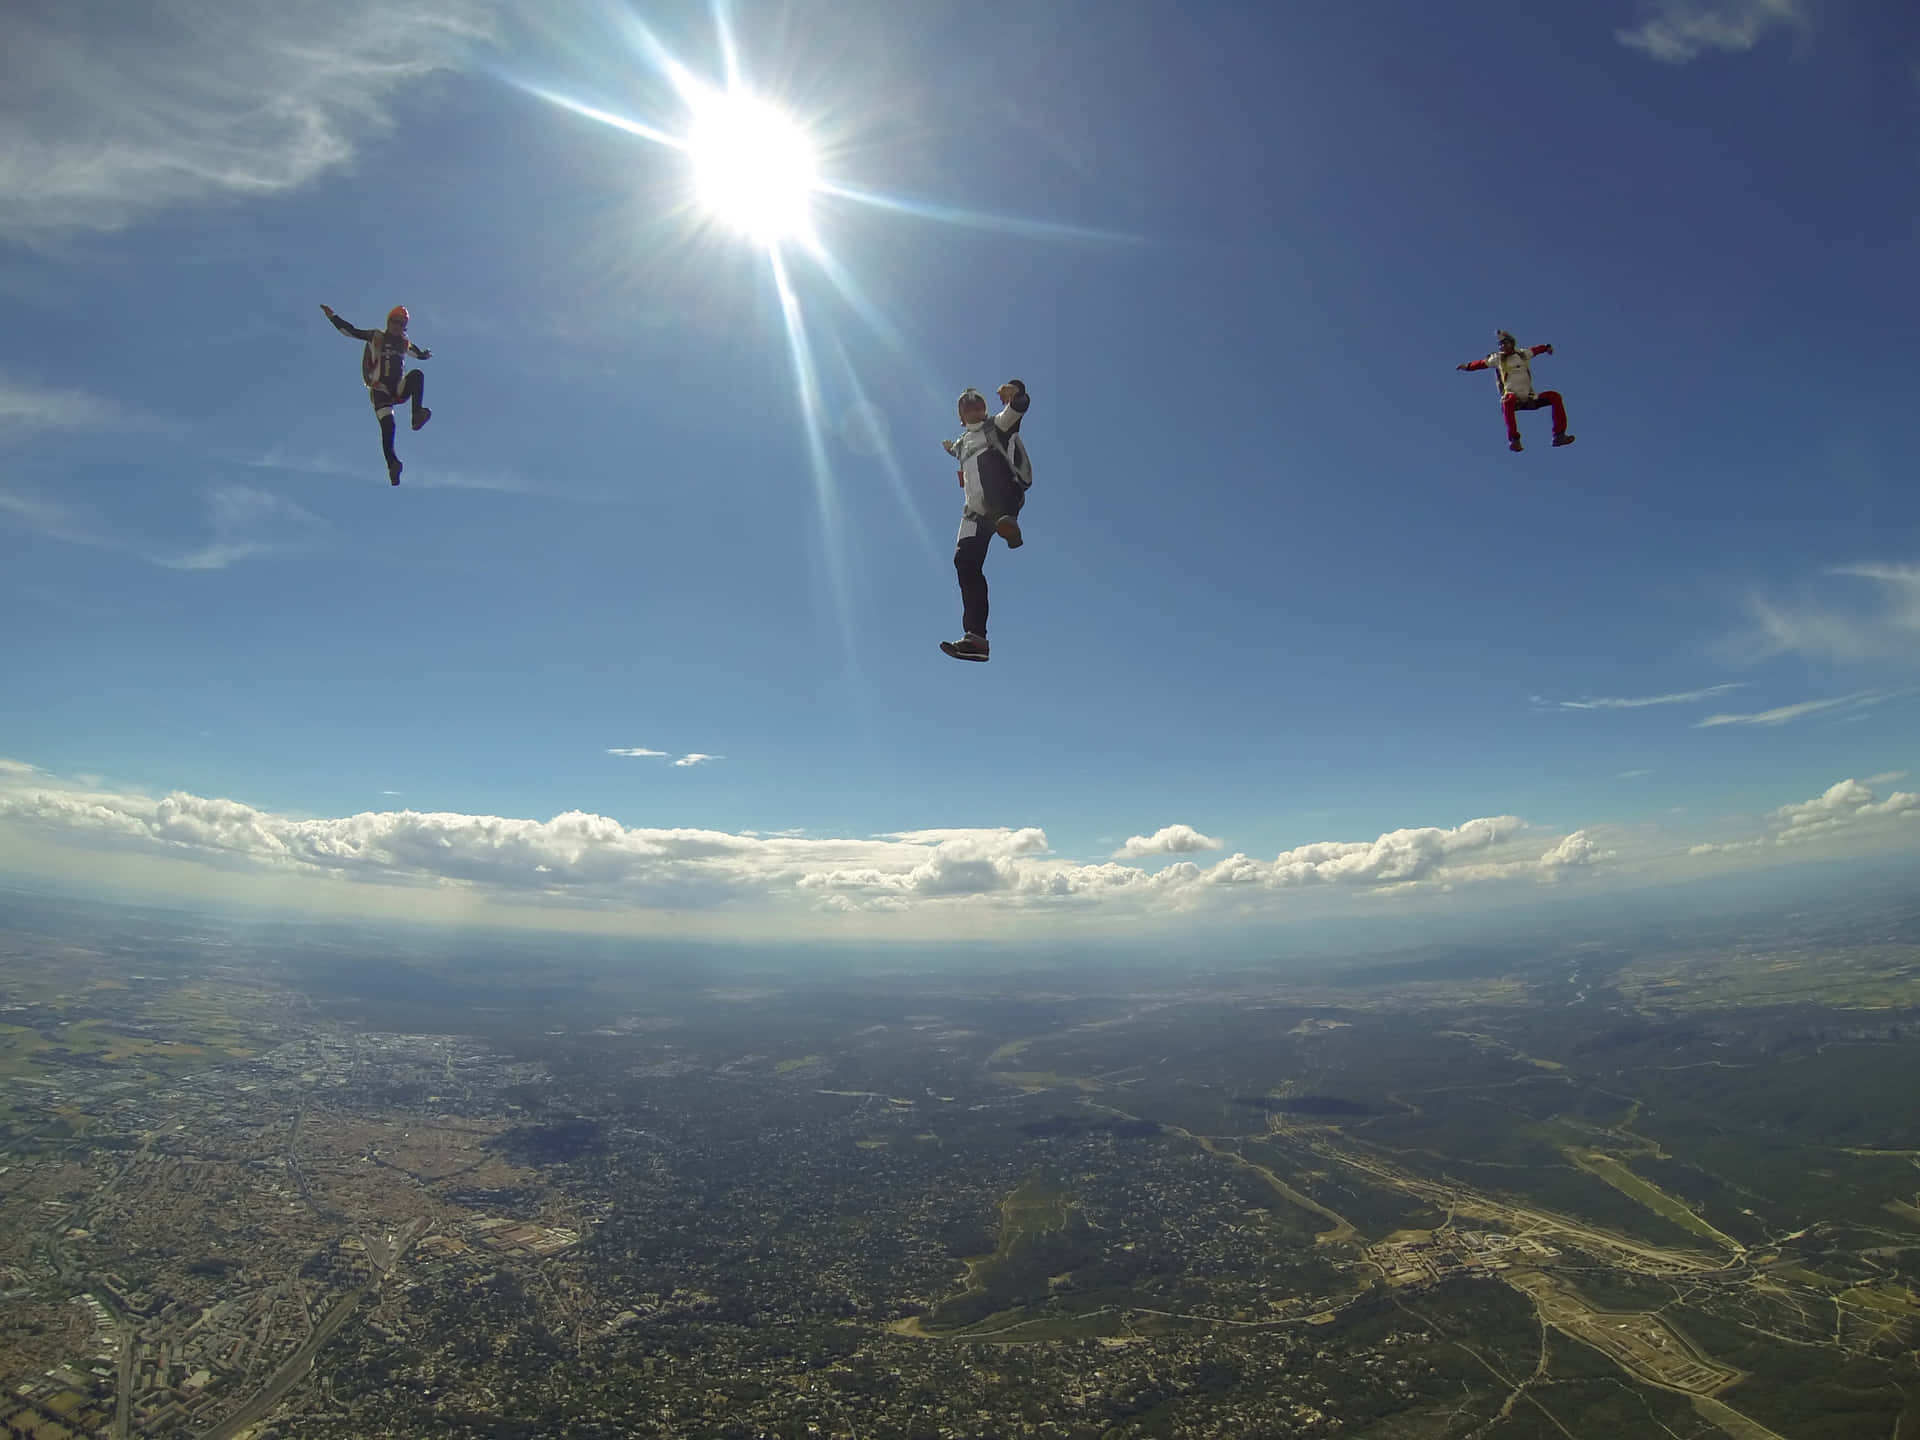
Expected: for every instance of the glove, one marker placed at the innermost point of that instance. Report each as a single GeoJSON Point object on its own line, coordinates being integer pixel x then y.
{"type": "Point", "coordinates": [424, 355]}
{"type": "Point", "coordinates": [1019, 387]}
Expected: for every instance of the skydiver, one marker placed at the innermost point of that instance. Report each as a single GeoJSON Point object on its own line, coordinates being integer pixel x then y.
{"type": "Point", "coordinates": [380, 366]}
{"type": "Point", "coordinates": [1515, 368]}
{"type": "Point", "coordinates": [995, 472]}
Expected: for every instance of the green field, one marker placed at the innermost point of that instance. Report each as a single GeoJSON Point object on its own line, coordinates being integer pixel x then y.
{"type": "Point", "coordinates": [1595, 1162]}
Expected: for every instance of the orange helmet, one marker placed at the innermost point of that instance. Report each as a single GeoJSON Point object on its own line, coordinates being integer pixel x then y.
{"type": "Point", "coordinates": [398, 312]}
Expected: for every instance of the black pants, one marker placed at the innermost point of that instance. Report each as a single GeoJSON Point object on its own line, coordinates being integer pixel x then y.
{"type": "Point", "coordinates": [969, 558]}
{"type": "Point", "coordinates": [412, 388]}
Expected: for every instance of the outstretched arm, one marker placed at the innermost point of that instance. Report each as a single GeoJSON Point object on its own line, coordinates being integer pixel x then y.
{"type": "Point", "coordinates": [1013, 395]}
{"type": "Point", "coordinates": [1472, 365]}
{"type": "Point", "coordinates": [1539, 350]}
{"type": "Point", "coordinates": [343, 327]}
{"type": "Point", "coordinates": [417, 353]}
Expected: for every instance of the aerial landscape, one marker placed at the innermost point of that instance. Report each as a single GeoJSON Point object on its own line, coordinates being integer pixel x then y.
{"type": "Point", "coordinates": [1404, 923]}
{"type": "Point", "coordinates": [285, 1180]}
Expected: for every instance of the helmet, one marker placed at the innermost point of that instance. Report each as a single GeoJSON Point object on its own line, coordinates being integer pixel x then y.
{"type": "Point", "coordinates": [969, 394]}
{"type": "Point", "coordinates": [1506, 335]}
{"type": "Point", "coordinates": [398, 312]}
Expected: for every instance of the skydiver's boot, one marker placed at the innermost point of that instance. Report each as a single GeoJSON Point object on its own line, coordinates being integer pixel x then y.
{"type": "Point", "coordinates": [971, 647]}
{"type": "Point", "coordinates": [1008, 529]}
{"type": "Point", "coordinates": [1515, 445]}
{"type": "Point", "coordinates": [1563, 438]}
{"type": "Point", "coordinates": [421, 415]}
{"type": "Point", "coordinates": [393, 469]}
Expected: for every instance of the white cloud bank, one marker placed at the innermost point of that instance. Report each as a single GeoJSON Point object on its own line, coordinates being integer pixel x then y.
{"type": "Point", "coordinates": [1477, 850]}
{"type": "Point", "coordinates": [586, 860]}
{"type": "Point", "coordinates": [1848, 809]}
{"type": "Point", "coordinates": [109, 113]}
{"type": "Point", "coordinates": [1680, 30]}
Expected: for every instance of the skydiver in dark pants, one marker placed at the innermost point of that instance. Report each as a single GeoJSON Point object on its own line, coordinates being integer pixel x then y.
{"type": "Point", "coordinates": [381, 364]}
{"type": "Point", "coordinates": [995, 472]}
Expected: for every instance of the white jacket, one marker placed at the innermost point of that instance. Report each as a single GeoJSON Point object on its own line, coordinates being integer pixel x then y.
{"type": "Point", "coordinates": [1001, 453]}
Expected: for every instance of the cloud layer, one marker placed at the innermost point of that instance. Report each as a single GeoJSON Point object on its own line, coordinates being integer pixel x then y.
{"type": "Point", "coordinates": [111, 113]}
{"type": "Point", "coordinates": [585, 859]}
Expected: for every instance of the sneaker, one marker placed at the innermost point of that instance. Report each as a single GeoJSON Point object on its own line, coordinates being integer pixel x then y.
{"type": "Point", "coordinates": [393, 472]}
{"type": "Point", "coordinates": [973, 647]}
{"type": "Point", "coordinates": [421, 416]}
{"type": "Point", "coordinates": [1008, 529]}
{"type": "Point", "coordinates": [1563, 439]}
{"type": "Point", "coordinates": [1514, 444]}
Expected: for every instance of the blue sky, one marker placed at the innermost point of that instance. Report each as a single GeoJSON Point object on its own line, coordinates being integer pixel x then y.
{"type": "Point", "coordinates": [1292, 632]}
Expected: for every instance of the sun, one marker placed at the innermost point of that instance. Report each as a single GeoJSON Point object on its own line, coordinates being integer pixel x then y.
{"type": "Point", "coordinates": [753, 167]}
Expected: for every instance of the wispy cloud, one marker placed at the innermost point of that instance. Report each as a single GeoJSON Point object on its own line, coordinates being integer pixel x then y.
{"type": "Point", "coordinates": [245, 522]}
{"type": "Point", "coordinates": [27, 408]}
{"type": "Point", "coordinates": [55, 518]}
{"type": "Point", "coordinates": [242, 521]}
{"type": "Point", "coordinates": [1677, 31]}
{"type": "Point", "coordinates": [1848, 809]}
{"type": "Point", "coordinates": [1168, 840]}
{"type": "Point", "coordinates": [1783, 714]}
{"type": "Point", "coordinates": [111, 114]}
{"type": "Point", "coordinates": [1847, 622]}
{"type": "Point", "coordinates": [1633, 774]}
{"type": "Point", "coordinates": [1680, 697]}
{"type": "Point", "coordinates": [685, 762]}
{"type": "Point", "coordinates": [426, 475]}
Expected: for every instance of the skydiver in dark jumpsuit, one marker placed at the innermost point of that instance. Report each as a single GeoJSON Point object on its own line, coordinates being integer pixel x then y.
{"type": "Point", "coordinates": [381, 364]}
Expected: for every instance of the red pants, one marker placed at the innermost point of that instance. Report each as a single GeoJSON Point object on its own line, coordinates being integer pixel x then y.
{"type": "Point", "coordinates": [1511, 403]}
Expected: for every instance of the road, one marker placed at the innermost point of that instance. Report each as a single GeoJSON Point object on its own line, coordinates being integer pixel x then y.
{"type": "Point", "coordinates": [296, 1369]}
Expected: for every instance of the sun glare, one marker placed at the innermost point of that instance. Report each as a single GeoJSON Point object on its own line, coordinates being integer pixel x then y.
{"type": "Point", "coordinates": [753, 168]}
